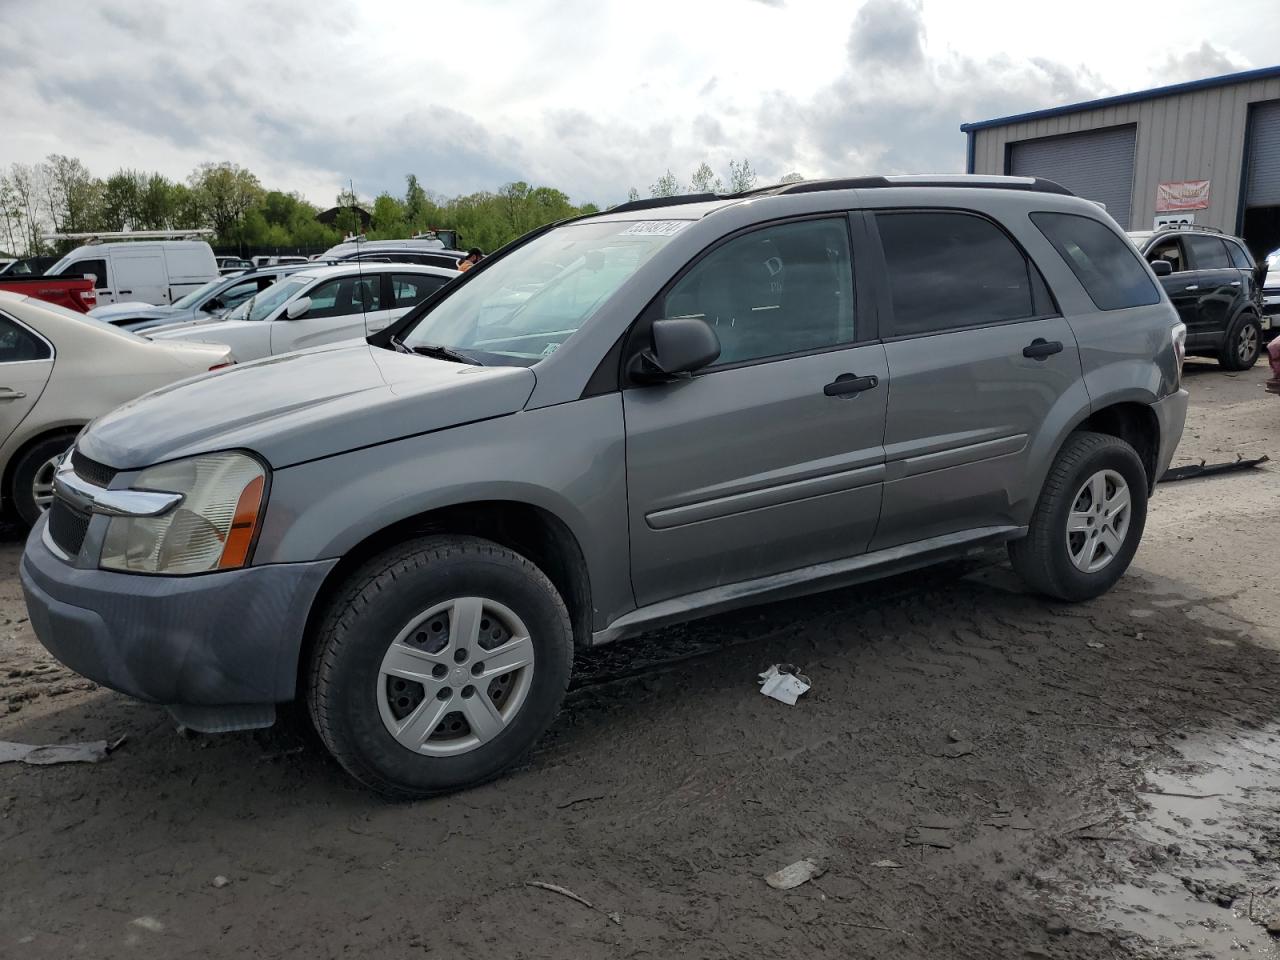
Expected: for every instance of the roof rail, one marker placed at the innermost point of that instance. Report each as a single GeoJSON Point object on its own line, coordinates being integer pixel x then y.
{"type": "Point", "coordinates": [1033, 184]}
{"type": "Point", "coordinates": [654, 202]}
{"type": "Point", "coordinates": [1189, 226]}
{"type": "Point", "coordinates": [196, 233]}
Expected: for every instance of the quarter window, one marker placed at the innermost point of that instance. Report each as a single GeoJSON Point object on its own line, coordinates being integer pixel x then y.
{"type": "Point", "coordinates": [17, 344]}
{"type": "Point", "coordinates": [775, 291]}
{"type": "Point", "coordinates": [1239, 258]}
{"type": "Point", "coordinates": [953, 270]}
{"type": "Point", "coordinates": [1208, 253]}
{"type": "Point", "coordinates": [1107, 266]}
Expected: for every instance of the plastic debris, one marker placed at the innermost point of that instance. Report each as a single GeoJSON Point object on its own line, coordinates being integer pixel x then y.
{"type": "Point", "coordinates": [32, 753]}
{"type": "Point", "coordinates": [563, 891]}
{"type": "Point", "coordinates": [794, 874]}
{"type": "Point", "coordinates": [220, 881]}
{"type": "Point", "coordinates": [784, 684]}
{"type": "Point", "coordinates": [888, 864]}
{"type": "Point", "coordinates": [1203, 469]}
{"type": "Point", "coordinates": [147, 923]}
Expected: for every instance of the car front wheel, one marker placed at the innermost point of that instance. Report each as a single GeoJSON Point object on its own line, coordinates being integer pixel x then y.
{"type": "Point", "coordinates": [439, 665]}
{"type": "Point", "coordinates": [1088, 521]}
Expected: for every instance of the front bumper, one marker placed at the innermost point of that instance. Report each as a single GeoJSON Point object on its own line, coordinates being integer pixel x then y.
{"type": "Point", "coordinates": [1171, 415]}
{"type": "Point", "coordinates": [219, 649]}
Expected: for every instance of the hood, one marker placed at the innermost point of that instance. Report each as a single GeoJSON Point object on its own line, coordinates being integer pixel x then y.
{"type": "Point", "coordinates": [131, 309]}
{"type": "Point", "coordinates": [301, 406]}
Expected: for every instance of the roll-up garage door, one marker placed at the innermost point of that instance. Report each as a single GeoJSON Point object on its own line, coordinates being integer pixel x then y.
{"type": "Point", "coordinates": [1264, 156]}
{"type": "Point", "coordinates": [1097, 165]}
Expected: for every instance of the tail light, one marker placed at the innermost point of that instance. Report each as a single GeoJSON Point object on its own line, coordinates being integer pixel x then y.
{"type": "Point", "coordinates": [1180, 348]}
{"type": "Point", "coordinates": [89, 298]}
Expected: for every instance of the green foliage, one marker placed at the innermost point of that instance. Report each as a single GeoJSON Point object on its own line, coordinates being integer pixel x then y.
{"type": "Point", "coordinates": [666, 186]}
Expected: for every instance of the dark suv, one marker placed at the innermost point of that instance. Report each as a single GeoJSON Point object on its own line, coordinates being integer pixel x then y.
{"type": "Point", "coordinates": [1216, 286]}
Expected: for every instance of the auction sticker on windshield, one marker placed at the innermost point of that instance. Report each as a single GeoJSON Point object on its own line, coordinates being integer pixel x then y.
{"type": "Point", "coordinates": [655, 228]}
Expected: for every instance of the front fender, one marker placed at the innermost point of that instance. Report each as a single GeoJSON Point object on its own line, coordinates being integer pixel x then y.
{"type": "Point", "coordinates": [567, 459]}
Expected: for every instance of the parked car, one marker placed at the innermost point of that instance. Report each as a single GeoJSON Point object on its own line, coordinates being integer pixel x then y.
{"type": "Point", "coordinates": [274, 260]}
{"type": "Point", "coordinates": [154, 272]}
{"type": "Point", "coordinates": [73, 293]}
{"type": "Point", "coordinates": [314, 306]}
{"type": "Point", "coordinates": [432, 258]}
{"type": "Point", "coordinates": [58, 371]}
{"type": "Point", "coordinates": [1271, 297]}
{"type": "Point", "coordinates": [28, 267]}
{"type": "Point", "coordinates": [228, 265]}
{"type": "Point", "coordinates": [353, 246]}
{"type": "Point", "coordinates": [685, 409]}
{"type": "Point", "coordinates": [1216, 287]}
{"type": "Point", "coordinates": [213, 300]}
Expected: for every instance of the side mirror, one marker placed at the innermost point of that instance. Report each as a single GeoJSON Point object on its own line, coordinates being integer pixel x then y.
{"type": "Point", "coordinates": [680, 346]}
{"type": "Point", "coordinates": [1161, 268]}
{"type": "Point", "coordinates": [298, 308]}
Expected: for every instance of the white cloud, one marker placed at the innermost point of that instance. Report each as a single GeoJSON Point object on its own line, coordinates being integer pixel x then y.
{"type": "Point", "coordinates": [591, 97]}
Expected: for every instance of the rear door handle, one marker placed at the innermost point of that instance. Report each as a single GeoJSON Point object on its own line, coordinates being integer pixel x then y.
{"type": "Point", "coordinates": [1235, 283]}
{"type": "Point", "coordinates": [124, 291]}
{"type": "Point", "coordinates": [848, 384]}
{"type": "Point", "coordinates": [1041, 349]}
{"type": "Point", "coordinates": [1192, 286]}
{"type": "Point", "coordinates": [7, 393]}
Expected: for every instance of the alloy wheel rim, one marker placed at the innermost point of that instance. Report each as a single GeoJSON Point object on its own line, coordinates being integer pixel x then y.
{"type": "Point", "coordinates": [42, 484]}
{"type": "Point", "coordinates": [455, 676]}
{"type": "Point", "coordinates": [1248, 342]}
{"type": "Point", "coordinates": [1099, 521]}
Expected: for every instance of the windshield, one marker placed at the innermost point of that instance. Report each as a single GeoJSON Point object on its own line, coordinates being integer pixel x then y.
{"type": "Point", "coordinates": [260, 307]}
{"type": "Point", "coordinates": [199, 293]}
{"type": "Point", "coordinates": [526, 305]}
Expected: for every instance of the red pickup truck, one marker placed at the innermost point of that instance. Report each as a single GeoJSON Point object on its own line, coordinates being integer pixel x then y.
{"type": "Point", "coordinates": [74, 293]}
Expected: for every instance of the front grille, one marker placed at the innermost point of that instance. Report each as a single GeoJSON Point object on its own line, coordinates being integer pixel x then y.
{"type": "Point", "coordinates": [96, 473]}
{"type": "Point", "coordinates": [67, 527]}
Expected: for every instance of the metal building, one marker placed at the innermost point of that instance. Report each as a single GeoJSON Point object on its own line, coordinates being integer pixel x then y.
{"type": "Point", "coordinates": [1206, 152]}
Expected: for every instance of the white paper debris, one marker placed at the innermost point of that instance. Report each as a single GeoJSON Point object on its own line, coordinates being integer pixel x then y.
{"type": "Point", "coordinates": [783, 684]}
{"type": "Point", "coordinates": [792, 875]}
{"type": "Point", "coordinates": [90, 752]}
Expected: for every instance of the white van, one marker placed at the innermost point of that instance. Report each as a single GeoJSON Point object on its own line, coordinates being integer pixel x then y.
{"type": "Point", "coordinates": [151, 272]}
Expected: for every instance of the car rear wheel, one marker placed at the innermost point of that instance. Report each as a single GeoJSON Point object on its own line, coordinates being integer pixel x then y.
{"type": "Point", "coordinates": [31, 483]}
{"type": "Point", "coordinates": [1242, 344]}
{"type": "Point", "coordinates": [439, 665]}
{"type": "Point", "coordinates": [1088, 521]}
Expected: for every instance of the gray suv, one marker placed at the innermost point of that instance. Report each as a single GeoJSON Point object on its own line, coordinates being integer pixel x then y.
{"type": "Point", "coordinates": [668, 409]}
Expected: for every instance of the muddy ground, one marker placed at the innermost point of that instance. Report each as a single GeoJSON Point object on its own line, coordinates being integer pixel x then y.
{"type": "Point", "coordinates": [982, 774]}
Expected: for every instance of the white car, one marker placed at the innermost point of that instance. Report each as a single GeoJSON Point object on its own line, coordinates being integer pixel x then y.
{"type": "Point", "coordinates": [315, 307]}
{"type": "Point", "coordinates": [58, 371]}
{"type": "Point", "coordinates": [1271, 298]}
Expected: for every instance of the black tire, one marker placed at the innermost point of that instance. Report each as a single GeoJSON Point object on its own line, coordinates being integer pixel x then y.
{"type": "Point", "coordinates": [1242, 344]}
{"type": "Point", "coordinates": [21, 481]}
{"type": "Point", "coordinates": [1042, 558]}
{"type": "Point", "coordinates": [373, 606]}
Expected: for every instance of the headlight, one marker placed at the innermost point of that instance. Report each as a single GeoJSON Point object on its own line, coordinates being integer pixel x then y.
{"type": "Point", "coordinates": [211, 529]}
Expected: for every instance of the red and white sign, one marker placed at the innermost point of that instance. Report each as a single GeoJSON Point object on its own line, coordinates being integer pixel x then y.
{"type": "Point", "coordinates": [1182, 195]}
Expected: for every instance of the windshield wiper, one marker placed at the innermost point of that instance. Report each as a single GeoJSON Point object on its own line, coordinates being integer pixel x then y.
{"type": "Point", "coordinates": [399, 346]}
{"type": "Point", "coordinates": [445, 353]}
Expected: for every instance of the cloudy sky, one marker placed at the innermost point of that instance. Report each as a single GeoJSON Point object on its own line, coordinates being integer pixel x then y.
{"type": "Point", "coordinates": [592, 96]}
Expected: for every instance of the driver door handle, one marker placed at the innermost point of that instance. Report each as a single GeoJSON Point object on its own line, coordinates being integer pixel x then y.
{"type": "Point", "coordinates": [1041, 349]}
{"type": "Point", "coordinates": [849, 384]}
{"type": "Point", "coordinates": [1192, 286]}
{"type": "Point", "coordinates": [7, 393]}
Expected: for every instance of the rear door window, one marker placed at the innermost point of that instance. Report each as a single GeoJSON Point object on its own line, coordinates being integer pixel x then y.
{"type": "Point", "coordinates": [410, 289]}
{"type": "Point", "coordinates": [952, 270]}
{"type": "Point", "coordinates": [1107, 266]}
{"type": "Point", "coordinates": [1207, 253]}
{"type": "Point", "coordinates": [340, 298]}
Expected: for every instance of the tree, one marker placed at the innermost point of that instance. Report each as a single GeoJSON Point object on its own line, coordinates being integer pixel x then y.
{"type": "Point", "coordinates": [792, 177]}
{"type": "Point", "coordinates": [667, 186]}
{"type": "Point", "coordinates": [741, 176]}
{"type": "Point", "coordinates": [71, 194]}
{"type": "Point", "coordinates": [389, 220]}
{"type": "Point", "coordinates": [225, 193]}
{"type": "Point", "coordinates": [704, 180]}
{"type": "Point", "coordinates": [14, 217]}
{"type": "Point", "coordinates": [633, 195]}
{"type": "Point", "coordinates": [24, 184]}
{"type": "Point", "coordinates": [121, 201]}
{"type": "Point", "coordinates": [415, 203]}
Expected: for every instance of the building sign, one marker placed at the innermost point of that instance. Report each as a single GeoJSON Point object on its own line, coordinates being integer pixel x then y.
{"type": "Point", "coordinates": [1170, 219]}
{"type": "Point", "coordinates": [1182, 195]}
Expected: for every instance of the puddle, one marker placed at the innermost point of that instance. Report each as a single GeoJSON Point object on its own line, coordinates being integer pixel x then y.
{"type": "Point", "coordinates": [1204, 874]}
